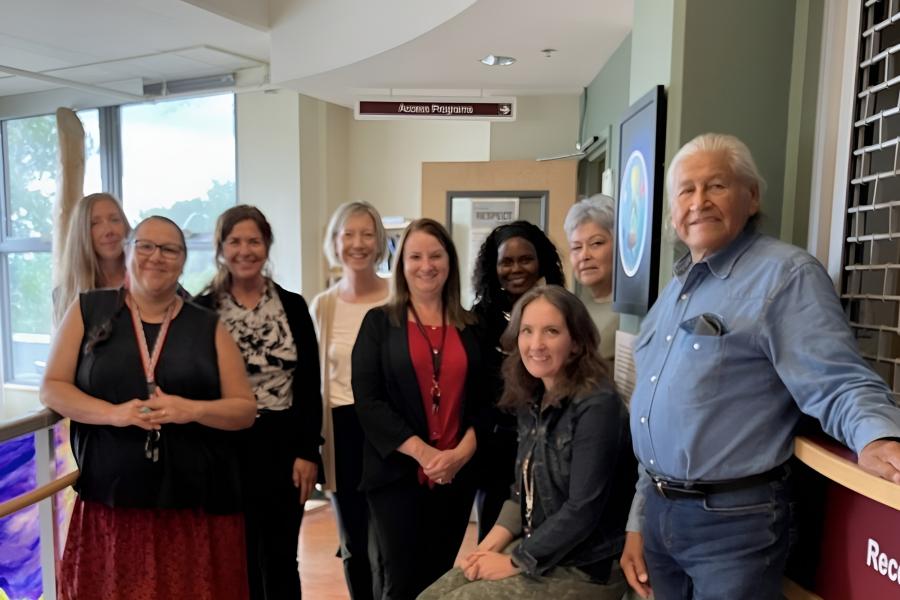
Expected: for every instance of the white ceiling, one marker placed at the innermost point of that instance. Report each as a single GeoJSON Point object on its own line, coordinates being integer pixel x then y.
{"type": "Point", "coordinates": [336, 50]}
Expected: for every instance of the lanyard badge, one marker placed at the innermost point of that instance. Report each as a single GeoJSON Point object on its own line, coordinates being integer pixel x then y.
{"type": "Point", "coordinates": [148, 363]}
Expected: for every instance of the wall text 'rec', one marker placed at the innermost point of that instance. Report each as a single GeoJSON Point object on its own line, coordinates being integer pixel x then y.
{"type": "Point", "coordinates": [882, 563]}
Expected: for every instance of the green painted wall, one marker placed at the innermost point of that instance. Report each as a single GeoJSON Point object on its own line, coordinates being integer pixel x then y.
{"type": "Point", "coordinates": [733, 66]}
{"type": "Point", "coordinates": [651, 46]}
{"type": "Point", "coordinates": [737, 79]}
{"type": "Point", "coordinates": [606, 99]}
{"type": "Point", "coordinates": [808, 24]}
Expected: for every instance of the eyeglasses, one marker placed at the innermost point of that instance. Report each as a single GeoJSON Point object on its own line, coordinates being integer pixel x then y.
{"type": "Point", "coordinates": [168, 251]}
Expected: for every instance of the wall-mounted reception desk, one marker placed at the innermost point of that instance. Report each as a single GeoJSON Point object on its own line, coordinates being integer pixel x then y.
{"type": "Point", "coordinates": [859, 550]}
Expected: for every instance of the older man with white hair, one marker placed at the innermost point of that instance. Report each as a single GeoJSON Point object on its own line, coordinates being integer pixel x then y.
{"type": "Point", "coordinates": [748, 335]}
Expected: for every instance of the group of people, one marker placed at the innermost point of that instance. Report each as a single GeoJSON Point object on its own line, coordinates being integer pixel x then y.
{"type": "Point", "coordinates": [201, 426]}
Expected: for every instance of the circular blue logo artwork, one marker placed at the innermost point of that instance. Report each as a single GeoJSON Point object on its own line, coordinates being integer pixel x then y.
{"type": "Point", "coordinates": [634, 209]}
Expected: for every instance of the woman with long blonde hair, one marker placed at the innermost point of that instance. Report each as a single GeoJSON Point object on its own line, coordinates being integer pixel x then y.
{"type": "Point", "coordinates": [95, 250]}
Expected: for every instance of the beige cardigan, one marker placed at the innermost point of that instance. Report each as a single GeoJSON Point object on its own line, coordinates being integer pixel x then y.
{"type": "Point", "coordinates": [322, 310]}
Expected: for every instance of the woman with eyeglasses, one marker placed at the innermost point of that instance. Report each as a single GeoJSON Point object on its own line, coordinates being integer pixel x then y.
{"type": "Point", "coordinates": [417, 379]}
{"type": "Point", "coordinates": [152, 384]}
{"type": "Point", "coordinates": [280, 453]}
{"type": "Point", "coordinates": [561, 532]}
{"type": "Point", "coordinates": [95, 250]}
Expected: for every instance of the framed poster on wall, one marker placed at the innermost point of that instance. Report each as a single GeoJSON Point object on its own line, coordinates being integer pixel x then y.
{"type": "Point", "coordinates": [642, 133]}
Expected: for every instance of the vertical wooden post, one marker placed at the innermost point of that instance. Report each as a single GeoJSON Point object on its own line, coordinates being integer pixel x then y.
{"type": "Point", "coordinates": [71, 181]}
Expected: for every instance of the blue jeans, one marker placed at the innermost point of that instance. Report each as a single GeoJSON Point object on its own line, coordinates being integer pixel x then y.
{"type": "Point", "coordinates": [726, 545]}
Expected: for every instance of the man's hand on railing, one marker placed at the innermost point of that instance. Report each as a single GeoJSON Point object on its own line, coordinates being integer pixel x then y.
{"type": "Point", "coordinates": [882, 458]}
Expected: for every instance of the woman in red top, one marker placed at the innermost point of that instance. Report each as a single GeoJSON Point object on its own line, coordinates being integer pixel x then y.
{"type": "Point", "coordinates": [415, 376]}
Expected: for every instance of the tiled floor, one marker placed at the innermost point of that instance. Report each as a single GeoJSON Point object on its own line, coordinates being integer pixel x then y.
{"type": "Point", "coordinates": [321, 573]}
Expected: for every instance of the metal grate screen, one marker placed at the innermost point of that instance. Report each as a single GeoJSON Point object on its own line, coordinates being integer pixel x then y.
{"type": "Point", "coordinates": [871, 271]}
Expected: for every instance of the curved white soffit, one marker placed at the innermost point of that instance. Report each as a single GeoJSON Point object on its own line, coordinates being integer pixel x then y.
{"type": "Point", "coordinates": [313, 36]}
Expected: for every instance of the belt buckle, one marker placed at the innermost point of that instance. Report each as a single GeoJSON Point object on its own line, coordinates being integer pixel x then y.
{"type": "Point", "coordinates": [661, 488]}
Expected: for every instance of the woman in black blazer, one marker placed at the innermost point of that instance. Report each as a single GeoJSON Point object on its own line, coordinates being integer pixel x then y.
{"type": "Point", "coordinates": [280, 455]}
{"type": "Point", "coordinates": [415, 377]}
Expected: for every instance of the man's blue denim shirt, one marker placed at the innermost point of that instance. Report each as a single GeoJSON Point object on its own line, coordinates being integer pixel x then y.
{"type": "Point", "coordinates": [735, 348]}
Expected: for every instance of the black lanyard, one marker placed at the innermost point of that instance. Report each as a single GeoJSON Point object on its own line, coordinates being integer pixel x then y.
{"type": "Point", "coordinates": [436, 355]}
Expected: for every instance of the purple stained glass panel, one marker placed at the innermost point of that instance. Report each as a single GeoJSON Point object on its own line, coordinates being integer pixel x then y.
{"type": "Point", "coordinates": [20, 562]}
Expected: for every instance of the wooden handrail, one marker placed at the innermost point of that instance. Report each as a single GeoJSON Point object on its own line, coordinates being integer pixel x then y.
{"type": "Point", "coordinates": [846, 472]}
{"type": "Point", "coordinates": [36, 495]}
{"type": "Point", "coordinates": [29, 423]}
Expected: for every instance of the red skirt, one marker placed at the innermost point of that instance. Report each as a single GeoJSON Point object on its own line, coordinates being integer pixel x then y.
{"type": "Point", "coordinates": [152, 554]}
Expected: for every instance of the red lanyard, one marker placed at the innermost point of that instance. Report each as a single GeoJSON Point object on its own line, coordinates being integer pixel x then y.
{"type": "Point", "coordinates": [436, 355]}
{"type": "Point", "coordinates": [148, 361]}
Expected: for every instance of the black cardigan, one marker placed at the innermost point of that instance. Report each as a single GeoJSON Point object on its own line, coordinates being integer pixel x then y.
{"type": "Point", "coordinates": [306, 409]}
{"type": "Point", "coordinates": [389, 401]}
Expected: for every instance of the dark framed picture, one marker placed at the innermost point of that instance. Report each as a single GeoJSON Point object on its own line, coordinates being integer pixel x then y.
{"type": "Point", "coordinates": [642, 133]}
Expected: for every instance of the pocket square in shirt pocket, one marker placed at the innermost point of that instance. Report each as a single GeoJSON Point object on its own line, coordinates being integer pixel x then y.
{"type": "Point", "coordinates": [708, 324]}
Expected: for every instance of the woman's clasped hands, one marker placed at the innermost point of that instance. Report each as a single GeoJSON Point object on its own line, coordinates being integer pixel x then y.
{"type": "Point", "coordinates": [152, 413]}
{"type": "Point", "coordinates": [487, 564]}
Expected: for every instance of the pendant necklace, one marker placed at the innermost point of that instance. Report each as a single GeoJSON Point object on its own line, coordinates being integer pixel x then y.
{"type": "Point", "coordinates": [435, 353]}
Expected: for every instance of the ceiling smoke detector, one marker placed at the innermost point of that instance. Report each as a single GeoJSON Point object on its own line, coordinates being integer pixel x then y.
{"type": "Point", "coordinates": [497, 61]}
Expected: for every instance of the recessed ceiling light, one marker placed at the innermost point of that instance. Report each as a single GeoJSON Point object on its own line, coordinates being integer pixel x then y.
{"type": "Point", "coordinates": [497, 61]}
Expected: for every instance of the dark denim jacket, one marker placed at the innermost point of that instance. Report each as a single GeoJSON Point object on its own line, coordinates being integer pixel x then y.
{"type": "Point", "coordinates": [584, 474]}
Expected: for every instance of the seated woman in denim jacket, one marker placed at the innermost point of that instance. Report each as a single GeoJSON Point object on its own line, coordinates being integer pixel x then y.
{"type": "Point", "coordinates": [563, 529]}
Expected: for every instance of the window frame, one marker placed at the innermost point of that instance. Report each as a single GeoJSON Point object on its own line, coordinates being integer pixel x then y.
{"type": "Point", "coordinates": [111, 171]}
{"type": "Point", "coordinates": [10, 245]}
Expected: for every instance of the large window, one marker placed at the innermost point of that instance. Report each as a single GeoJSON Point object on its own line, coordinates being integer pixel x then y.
{"type": "Point", "coordinates": [30, 149]}
{"type": "Point", "coordinates": [178, 160]}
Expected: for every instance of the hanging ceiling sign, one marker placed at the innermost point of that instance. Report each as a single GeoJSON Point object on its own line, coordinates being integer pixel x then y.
{"type": "Point", "coordinates": [456, 109]}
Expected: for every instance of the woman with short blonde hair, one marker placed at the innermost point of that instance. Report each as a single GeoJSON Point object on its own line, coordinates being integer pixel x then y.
{"type": "Point", "coordinates": [355, 241]}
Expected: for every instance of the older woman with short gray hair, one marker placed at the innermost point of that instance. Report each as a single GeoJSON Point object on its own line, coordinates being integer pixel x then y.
{"type": "Point", "coordinates": [589, 227]}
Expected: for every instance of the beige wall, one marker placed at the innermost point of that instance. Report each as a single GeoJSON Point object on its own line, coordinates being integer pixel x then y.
{"type": "Point", "coordinates": [292, 163]}
{"type": "Point", "coordinates": [324, 139]}
{"type": "Point", "coordinates": [385, 158]}
{"type": "Point", "coordinates": [268, 172]}
{"type": "Point", "coordinates": [544, 126]}
{"type": "Point", "coordinates": [299, 158]}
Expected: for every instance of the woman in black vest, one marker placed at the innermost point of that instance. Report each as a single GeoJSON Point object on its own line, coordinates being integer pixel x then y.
{"type": "Point", "coordinates": [150, 382]}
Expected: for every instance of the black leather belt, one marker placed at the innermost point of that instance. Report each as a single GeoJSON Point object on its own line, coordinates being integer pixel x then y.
{"type": "Point", "coordinates": [699, 489]}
